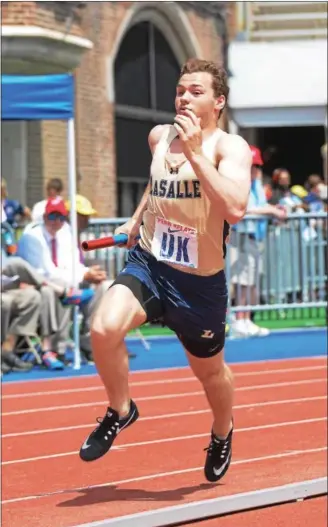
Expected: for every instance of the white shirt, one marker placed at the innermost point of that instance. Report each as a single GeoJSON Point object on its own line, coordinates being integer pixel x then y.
{"type": "Point", "coordinates": [35, 247]}
{"type": "Point", "coordinates": [38, 210]}
{"type": "Point", "coordinates": [3, 214]}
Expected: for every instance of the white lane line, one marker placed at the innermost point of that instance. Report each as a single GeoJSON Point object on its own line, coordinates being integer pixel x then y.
{"type": "Point", "coordinates": [168, 440]}
{"type": "Point", "coordinates": [163, 475]}
{"type": "Point", "coordinates": [167, 416]}
{"type": "Point", "coordinates": [162, 397]}
{"type": "Point", "coordinates": [160, 382]}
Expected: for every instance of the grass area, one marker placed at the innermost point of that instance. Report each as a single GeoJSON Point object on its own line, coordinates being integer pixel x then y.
{"type": "Point", "coordinates": [282, 319]}
{"type": "Point", "coordinates": [292, 318]}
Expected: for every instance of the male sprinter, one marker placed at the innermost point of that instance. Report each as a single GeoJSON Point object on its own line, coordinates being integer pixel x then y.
{"type": "Point", "coordinates": [199, 184]}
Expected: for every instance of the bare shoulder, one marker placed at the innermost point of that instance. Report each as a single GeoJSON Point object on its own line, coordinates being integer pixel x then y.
{"type": "Point", "coordinates": [234, 147]}
{"type": "Point", "coordinates": [155, 134]}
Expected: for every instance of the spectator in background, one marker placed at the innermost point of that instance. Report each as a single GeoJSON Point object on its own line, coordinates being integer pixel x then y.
{"type": "Point", "coordinates": [54, 189]}
{"type": "Point", "coordinates": [246, 246]}
{"type": "Point", "coordinates": [281, 192]}
{"type": "Point", "coordinates": [53, 319]}
{"type": "Point", "coordinates": [48, 248]}
{"type": "Point", "coordinates": [84, 211]}
{"type": "Point", "coordinates": [267, 187]}
{"type": "Point", "coordinates": [20, 310]}
{"type": "Point", "coordinates": [14, 212]}
{"type": "Point", "coordinates": [317, 193]}
{"type": "Point", "coordinates": [3, 213]}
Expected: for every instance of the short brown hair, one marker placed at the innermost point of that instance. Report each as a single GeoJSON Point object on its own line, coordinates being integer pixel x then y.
{"type": "Point", "coordinates": [219, 75]}
{"type": "Point", "coordinates": [314, 180]}
{"type": "Point", "coordinates": [55, 184]}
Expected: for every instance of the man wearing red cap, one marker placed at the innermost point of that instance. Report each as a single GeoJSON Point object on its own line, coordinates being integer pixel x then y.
{"type": "Point", "coordinates": [246, 251]}
{"type": "Point", "coordinates": [48, 248]}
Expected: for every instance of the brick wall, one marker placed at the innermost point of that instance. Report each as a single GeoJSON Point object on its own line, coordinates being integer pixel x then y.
{"type": "Point", "coordinates": [100, 22]}
{"type": "Point", "coordinates": [47, 150]}
{"type": "Point", "coordinates": [50, 15]}
{"type": "Point", "coordinates": [18, 13]}
{"type": "Point", "coordinates": [96, 131]}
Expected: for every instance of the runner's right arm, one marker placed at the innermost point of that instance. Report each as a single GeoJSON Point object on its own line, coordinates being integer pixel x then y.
{"type": "Point", "coordinates": [131, 227]}
{"type": "Point", "coordinates": [153, 138]}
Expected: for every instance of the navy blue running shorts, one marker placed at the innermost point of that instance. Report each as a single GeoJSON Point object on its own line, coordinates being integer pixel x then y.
{"type": "Point", "coordinates": [193, 306]}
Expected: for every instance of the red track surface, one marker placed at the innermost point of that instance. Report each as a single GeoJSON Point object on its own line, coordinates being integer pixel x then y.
{"type": "Point", "coordinates": [280, 411]}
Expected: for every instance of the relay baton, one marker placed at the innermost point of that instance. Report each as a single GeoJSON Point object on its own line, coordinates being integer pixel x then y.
{"type": "Point", "coordinates": [102, 243]}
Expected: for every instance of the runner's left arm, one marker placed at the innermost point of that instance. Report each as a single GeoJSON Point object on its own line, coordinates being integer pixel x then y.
{"type": "Point", "coordinates": [230, 191]}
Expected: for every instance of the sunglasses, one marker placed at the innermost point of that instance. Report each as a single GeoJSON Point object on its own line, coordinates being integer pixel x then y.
{"type": "Point", "coordinates": [56, 216]}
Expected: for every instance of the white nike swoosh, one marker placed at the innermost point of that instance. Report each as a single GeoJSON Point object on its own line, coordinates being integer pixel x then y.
{"type": "Point", "coordinates": [219, 471]}
{"type": "Point", "coordinates": [127, 423]}
{"type": "Point", "coordinates": [85, 445]}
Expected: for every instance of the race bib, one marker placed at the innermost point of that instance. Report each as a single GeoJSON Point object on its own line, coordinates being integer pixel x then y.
{"type": "Point", "coordinates": [175, 243]}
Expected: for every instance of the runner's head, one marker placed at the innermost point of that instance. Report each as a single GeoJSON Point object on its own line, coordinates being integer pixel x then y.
{"type": "Point", "coordinates": [203, 88]}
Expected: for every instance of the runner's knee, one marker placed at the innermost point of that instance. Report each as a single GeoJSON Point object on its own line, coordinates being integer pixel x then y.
{"type": "Point", "coordinates": [106, 325]}
{"type": "Point", "coordinates": [211, 370]}
{"type": "Point", "coordinates": [117, 313]}
{"type": "Point", "coordinates": [220, 373]}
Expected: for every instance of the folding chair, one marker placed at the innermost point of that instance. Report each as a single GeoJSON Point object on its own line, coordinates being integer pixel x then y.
{"type": "Point", "coordinates": [29, 344]}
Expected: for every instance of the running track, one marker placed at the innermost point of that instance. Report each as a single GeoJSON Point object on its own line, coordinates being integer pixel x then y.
{"type": "Point", "coordinates": [281, 437]}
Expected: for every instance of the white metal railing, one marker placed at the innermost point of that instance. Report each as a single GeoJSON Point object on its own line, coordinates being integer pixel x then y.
{"type": "Point", "coordinates": [293, 261]}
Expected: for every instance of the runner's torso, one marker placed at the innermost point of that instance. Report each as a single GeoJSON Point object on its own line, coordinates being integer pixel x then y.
{"type": "Point", "coordinates": [180, 225]}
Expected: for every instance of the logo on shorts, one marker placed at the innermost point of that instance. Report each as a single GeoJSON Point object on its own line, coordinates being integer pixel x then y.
{"type": "Point", "coordinates": [207, 334]}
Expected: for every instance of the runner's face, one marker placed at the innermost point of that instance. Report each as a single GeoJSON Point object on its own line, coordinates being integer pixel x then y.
{"type": "Point", "coordinates": [195, 92]}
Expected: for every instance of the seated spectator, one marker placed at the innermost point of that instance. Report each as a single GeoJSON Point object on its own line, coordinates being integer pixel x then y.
{"type": "Point", "coordinates": [84, 211]}
{"type": "Point", "coordinates": [20, 310]}
{"type": "Point", "coordinates": [53, 320]}
{"type": "Point", "coordinates": [54, 189]}
{"type": "Point", "coordinates": [48, 248]}
{"type": "Point", "coordinates": [8, 240]}
{"type": "Point", "coordinates": [14, 211]}
{"type": "Point", "coordinates": [246, 247]}
{"type": "Point", "coordinates": [3, 214]}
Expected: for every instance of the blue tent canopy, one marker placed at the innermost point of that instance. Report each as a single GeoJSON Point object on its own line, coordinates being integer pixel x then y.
{"type": "Point", "coordinates": [37, 97]}
{"type": "Point", "coordinates": [47, 97]}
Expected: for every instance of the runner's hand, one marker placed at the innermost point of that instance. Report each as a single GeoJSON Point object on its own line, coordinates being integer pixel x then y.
{"type": "Point", "coordinates": [131, 228]}
{"type": "Point", "coordinates": [190, 133]}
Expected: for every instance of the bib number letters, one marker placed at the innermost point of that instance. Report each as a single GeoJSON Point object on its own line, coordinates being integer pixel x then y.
{"type": "Point", "coordinates": [175, 243]}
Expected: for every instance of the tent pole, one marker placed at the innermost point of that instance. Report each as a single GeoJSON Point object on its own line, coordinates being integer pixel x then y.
{"type": "Point", "coordinates": [73, 221]}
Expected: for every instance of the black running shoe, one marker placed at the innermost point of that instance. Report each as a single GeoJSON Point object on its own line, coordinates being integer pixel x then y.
{"type": "Point", "coordinates": [218, 457]}
{"type": "Point", "coordinates": [101, 439]}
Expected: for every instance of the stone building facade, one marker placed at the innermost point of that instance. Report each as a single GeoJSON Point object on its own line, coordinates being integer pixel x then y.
{"type": "Point", "coordinates": [125, 57]}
